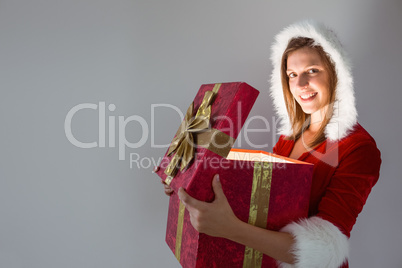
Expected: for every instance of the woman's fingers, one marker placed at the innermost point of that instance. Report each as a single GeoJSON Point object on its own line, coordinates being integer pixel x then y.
{"type": "Point", "coordinates": [168, 189]}
{"type": "Point", "coordinates": [168, 192]}
{"type": "Point", "coordinates": [190, 202]}
{"type": "Point", "coordinates": [217, 188]}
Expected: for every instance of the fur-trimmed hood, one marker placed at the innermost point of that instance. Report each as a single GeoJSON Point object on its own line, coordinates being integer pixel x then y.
{"type": "Point", "coordinates": [345, 114]}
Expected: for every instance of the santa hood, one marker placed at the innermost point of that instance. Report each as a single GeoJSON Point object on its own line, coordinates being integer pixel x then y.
{"type": "Point", "coordinates": [345, 114]}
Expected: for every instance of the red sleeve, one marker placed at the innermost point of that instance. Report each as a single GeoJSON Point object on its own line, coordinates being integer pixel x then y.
{"type": "Point", "coordinates": [345, 196]}
{"type": "Point", "coordinates": [278, 145]}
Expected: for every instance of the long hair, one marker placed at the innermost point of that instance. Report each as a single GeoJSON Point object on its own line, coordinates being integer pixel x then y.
{"type": "Point", "coordinates": [299, 120]}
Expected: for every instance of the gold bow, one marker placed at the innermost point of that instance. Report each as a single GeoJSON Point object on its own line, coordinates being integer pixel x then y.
{"type": "Point", "coordinates": [184, 142]}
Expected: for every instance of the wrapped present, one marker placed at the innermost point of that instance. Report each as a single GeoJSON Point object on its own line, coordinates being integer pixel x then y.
{"type": "Point", "coordinates": [264, 190]}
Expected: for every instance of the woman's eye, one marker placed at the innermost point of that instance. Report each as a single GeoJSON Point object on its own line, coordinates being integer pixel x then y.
{"type": "Point", "coordinates": [312, 71]}
{"type": "Point", "coordinates": [291, 75]}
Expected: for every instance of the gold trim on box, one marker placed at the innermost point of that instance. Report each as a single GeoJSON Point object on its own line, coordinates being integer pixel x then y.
{"type": "Point", "coordinates": [179, 232]}
{"type": "Point", "coordinates": [259, 204]}
{"type": "Point", "coordinates": [168, 180]}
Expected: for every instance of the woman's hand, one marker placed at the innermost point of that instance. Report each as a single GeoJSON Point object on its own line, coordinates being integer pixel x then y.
{"type": "Point", "coordinates": [214, 219]}
{"type": "Point", "coordinates": [168, 189]}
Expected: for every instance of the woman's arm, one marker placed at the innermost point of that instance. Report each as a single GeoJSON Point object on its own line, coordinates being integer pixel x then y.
{"type": "Point", "coordinates": [275, 244]}
{"type": "Point", "coordinates": [217, 219]}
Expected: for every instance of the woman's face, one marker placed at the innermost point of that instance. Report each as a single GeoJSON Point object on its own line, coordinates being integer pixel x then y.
{"type": "Point", "coordinates": [308, 79]}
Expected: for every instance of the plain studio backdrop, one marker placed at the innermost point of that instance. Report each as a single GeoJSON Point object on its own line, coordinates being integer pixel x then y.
{"type": "Point", "coordinates": [129, 64]}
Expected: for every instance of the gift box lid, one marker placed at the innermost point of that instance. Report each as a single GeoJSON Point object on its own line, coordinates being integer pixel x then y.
{"type": "Point", "coordinates": [211, 126]}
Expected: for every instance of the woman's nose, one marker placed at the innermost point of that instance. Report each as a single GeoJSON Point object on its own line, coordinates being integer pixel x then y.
{"type": "Point", "coordinates": [302, 81]}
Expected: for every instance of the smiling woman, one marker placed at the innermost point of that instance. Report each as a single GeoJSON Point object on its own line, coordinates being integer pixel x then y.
{"type": "Point", "coordinates": [309, 80]}
{"type": "Point", "coordinates": [312, 91]}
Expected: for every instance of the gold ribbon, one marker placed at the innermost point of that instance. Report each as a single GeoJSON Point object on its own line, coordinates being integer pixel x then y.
{"type": "Point", "coordinates": [259, 204]}
{"type": "Point", "coordinates": [179, 232]}
{"type": "Point", "coordinates": [185, 140]}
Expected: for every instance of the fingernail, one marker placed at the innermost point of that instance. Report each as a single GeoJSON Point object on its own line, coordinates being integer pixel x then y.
{"type": "Point", "coordinates": [217, 177]}
{"type": "Point", "coordinates": [155, 169]}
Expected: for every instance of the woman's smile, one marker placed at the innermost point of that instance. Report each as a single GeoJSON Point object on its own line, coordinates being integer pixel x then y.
{"type": "Point", "coordinates": [306, 97]}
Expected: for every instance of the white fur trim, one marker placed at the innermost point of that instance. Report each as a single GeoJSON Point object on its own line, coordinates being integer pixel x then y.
{"type": "Point", "coordinates": [318, 243]}
{"type": "Point", "coordinates": [345, 114]}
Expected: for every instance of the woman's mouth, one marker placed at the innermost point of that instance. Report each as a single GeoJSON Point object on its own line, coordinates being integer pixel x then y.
{"type": "Point", "coordinates": [308, 96]}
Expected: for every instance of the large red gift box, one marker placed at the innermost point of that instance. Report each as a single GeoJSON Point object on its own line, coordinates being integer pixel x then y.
{"type": "Point", "coordinates": [264, 190]}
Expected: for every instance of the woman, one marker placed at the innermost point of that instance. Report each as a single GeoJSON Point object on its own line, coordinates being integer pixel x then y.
{"type": "Point", "coordinates": [312, 90]}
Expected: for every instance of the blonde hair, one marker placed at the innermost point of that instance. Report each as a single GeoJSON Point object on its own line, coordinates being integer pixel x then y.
{"type": "Point", "coordinates": [299, 120]}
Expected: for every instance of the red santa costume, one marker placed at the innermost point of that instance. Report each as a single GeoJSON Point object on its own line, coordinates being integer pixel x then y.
{"type": "Point", "coordinates": [346, 164]}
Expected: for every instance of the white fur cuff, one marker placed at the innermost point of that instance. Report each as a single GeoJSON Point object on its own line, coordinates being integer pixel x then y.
{"type": "Point", "coordinates": [318, 243]}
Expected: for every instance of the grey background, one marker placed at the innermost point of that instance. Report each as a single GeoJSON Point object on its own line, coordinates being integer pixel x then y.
{"type": "Point", "coordinates": [63, 206]}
